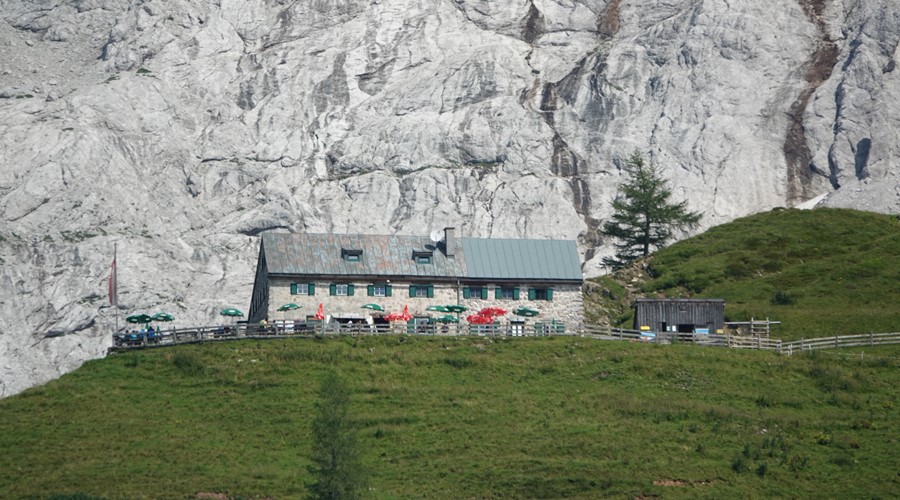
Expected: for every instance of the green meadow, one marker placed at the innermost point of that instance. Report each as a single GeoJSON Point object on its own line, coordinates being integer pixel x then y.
{"type": "Point", "coordinates": [464, 418]}
{"type": "Point", "coordinates": [819, 272]}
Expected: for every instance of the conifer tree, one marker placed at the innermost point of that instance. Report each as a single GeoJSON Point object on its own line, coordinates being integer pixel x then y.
{"type": "Point", "coordinates": [336, 462]}
{"type": "Point", "coordinates": [644, 218]}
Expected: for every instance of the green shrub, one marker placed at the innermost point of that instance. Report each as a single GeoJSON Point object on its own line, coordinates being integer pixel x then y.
{"type": "Point", "coordinates": [458, 363]}
{"type": "Point", "coordinates": [782, 298]}
{"type": "Point", "coordinates": [187, 362]}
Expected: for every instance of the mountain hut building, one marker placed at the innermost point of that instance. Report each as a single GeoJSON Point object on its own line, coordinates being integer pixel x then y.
{"type": "Point", "coordinates": [343, 272]}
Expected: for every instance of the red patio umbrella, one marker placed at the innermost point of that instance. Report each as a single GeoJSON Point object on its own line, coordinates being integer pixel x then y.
{"type": "Point", "coordinates": [400, 316]}
{"type": "Point", "coordinates": [479, 319]}
{"type": "Point", "coordinates": [492, 312]}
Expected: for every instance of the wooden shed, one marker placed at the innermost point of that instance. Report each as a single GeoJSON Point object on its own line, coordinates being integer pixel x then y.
{"type": "Point", "coordinates": [680, 315]}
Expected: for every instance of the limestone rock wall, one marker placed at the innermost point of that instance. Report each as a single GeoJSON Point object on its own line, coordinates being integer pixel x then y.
{"type": "Point", "coordinates": [177, 131]}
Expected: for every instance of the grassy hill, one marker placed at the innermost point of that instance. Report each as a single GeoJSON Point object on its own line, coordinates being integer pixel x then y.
{"type": "Point", "coordinates": [464, 418]}
{"type": "Point", "coordinates": [820, 272]}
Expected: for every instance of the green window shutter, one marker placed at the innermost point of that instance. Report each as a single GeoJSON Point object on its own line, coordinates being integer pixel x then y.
{"type": "Point", "coordinates": [532, 294]}
{"type": "Point", "coordinates": [387, 290]}
{"type": "Point", "coordinates": [498, 293]}
{"type": "Point", "coordinates": [484, 293]}
{"type": "Point", "coordinates": [430, 291]}
{"type": "Point", "coordinates": [412, 290]}
{"type": "Point", "coordinates": [370, 290]}
{"type": "Point", "coordinates": [332, 289]}
{"type": "Point", "coordinates": [350, 288]}
{"type": "Point", "coordinates": [549, 294]}
{"type": "Point", "coordinates": [312, 289]}
{"type": "Point", "coordinates": [515, 294]}
{"type": "Point", "coordinates": [293, 289]}
{"type": "Point", "coordinates": [467, 292]}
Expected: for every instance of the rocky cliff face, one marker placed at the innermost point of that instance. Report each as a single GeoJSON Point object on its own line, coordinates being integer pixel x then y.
{"type": "Point", "coordinates": [180, 130]}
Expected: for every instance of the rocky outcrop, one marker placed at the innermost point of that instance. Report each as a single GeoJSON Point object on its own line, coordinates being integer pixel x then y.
{"type": "Point", "coordinates": [179, 131]}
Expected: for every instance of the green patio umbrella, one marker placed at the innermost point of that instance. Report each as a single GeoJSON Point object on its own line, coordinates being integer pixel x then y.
{"type": "Point", "coordinates": [442, 309]}
{"type": "Point", "coordinates": [288, 307]}
{"type": "Point", "coordinates": [230, 311]}
{"type": "Point", "coordinates": [374, 307]}
{"type": "Point", "coordinates": [526, 312]}
{"type": "Point", "coordinates": [449, 318]}
{"type": "Point", "coordinates": [456, 308]}
{"type": "Point", "coordinates": [139, 319]}
{"type": "Point", "coordinates": [163, 316]}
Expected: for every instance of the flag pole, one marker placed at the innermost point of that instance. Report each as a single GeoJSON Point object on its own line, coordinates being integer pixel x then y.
{"type": "Point", "coordinates": [114, 287]}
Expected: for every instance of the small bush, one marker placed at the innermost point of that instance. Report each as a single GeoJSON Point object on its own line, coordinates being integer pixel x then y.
{"type": "Point", "coordinates": [132, 360]}
{"type": "Point", "coordinates": [143, 71]}
{"type": "Point", "coordinates": [797, 463]}
{"type": "Point", "coordinates": [187, 362]}
{"type": "Point", "coordinates": [761, 469]}
{"type": "Point", "coordinates": [458, 363]}
{"type": "Point", "coordinates": [782, 298]}
{"type": "Point", "coordinates": [842, 460]}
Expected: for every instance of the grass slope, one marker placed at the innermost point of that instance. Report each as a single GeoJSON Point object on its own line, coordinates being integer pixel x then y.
{"type": "Point", "coordinates": [464, 418]}
{"type": "Point", "coordinates": [820, 272]}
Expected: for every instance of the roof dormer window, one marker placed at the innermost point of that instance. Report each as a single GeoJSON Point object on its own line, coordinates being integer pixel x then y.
{"type": "Point", "coordinates": [351, 255]}
{"type": "Point", "coordinates": [422, 256]}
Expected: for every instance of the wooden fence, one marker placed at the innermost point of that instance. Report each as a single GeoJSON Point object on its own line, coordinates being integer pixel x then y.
{"type": "Point", "coordinates": [871, 339]}
{"type": "Point", "coordinates": [311, 329]}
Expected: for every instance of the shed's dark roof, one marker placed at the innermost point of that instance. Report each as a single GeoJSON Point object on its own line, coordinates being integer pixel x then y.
{"type": "Point", "coordinates": [382, 255]}
{"type": "Point", "coordinates": [521, 259]}
{"type": "Point", "coordinates": [392, 255]}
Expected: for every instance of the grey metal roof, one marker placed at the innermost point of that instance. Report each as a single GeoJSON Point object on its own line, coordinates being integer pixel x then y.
{"type": "Point", "coordinates": [392, 255]}
{"type": "Point", "coordinates": [383, 255]}
{"type": "Point", "coordinates": [518, 259]}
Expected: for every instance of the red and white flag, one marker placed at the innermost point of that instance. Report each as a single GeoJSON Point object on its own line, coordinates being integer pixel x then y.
{"type": "Point", "coordinates": [113, 284]}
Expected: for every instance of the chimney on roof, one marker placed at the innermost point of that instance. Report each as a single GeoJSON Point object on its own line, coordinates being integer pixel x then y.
{"type": "Point", "coordinates": [449, 241]}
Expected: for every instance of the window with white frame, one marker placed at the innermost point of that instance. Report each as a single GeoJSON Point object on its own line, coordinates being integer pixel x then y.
{"type": "Point", "coordinates": [341, 289]}
{"type": "Point", "coordinates": [303, 289]}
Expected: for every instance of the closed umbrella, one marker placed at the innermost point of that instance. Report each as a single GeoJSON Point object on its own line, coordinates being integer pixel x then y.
{"type": "Point", "coordinates": [320, 313]}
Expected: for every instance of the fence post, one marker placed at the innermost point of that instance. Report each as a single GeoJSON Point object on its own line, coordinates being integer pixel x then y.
{"type": "Point", "coordinates": [758, 342]}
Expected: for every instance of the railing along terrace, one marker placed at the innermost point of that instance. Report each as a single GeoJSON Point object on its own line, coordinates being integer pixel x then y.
{"type": "Point", "coordinates": [130, 340]}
